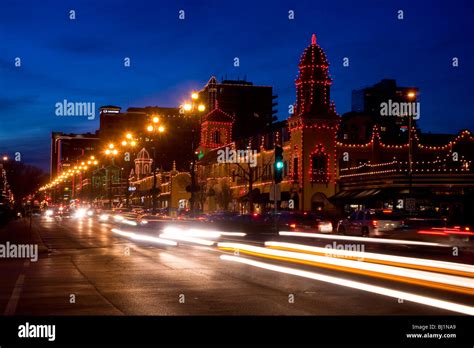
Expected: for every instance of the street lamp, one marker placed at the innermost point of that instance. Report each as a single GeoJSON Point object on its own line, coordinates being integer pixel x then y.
{"type": "Point", "coordinates": [131, 143]}
{"type": "Point", "coordinates": [111, 152]}
{"type": "Point", "coordinates": [411, 96]}
{"type": "Point", "coordinates": [192, 108]}
{"type": "Point", "coordinates": [90, 162]}
{"type": "Point", "coordinates": [154, 128]}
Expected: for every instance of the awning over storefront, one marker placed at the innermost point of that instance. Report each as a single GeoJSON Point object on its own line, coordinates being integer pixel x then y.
{"type": "Point", "coordinates": [357, 194]}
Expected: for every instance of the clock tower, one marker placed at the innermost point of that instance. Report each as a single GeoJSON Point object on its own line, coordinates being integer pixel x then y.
{"type": "Point", "coordinates": [313, 126]}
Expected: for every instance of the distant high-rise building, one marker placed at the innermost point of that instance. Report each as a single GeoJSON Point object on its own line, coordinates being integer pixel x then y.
{"type": "Point", "coordinates": [66, 148]}
{"type": "Point", "coordinates": [174, 144]}
{"type": "Point", "coordinates": [369, 107]}
{"type": "Point", "coordinates": [251, 106]}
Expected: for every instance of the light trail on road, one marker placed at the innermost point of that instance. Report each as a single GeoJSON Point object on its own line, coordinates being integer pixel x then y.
{"type": "Point", "coordinates": [410, 262]}
{"type": "Point", "coordinates": [428, 301]}
{"type": "Point", "coordinates": [360, 239]}
{"type": "Point", "coordinates": [144, 237]}
{"type": "Point", "coordinates": [193, 235]}
{"type": "Point", "coordinates": [417, 277]}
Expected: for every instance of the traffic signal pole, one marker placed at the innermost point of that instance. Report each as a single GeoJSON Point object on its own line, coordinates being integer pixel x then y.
{"type": "Point", "coordinates": [277, 177]}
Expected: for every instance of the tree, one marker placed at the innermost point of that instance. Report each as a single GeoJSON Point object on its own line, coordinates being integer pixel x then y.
{"type": "Point", "coordinates": [224, 195]}
{"type": "Point", "coordinates": [24, 179]}
{"type": "Point", "coordinates": [250, 175]}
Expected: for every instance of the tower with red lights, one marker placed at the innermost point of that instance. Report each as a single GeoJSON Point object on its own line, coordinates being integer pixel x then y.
{"type": "Point", "coordinates": [313, 127]}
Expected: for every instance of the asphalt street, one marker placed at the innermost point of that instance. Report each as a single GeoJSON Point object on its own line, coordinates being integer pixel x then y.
{"type": "Point", "coordinates": [88, 267]}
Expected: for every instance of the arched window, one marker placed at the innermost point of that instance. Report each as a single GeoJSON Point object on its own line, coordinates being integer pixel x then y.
{"type": "Point", "coordinates": [319, 165]}
{"type": "Point", "coordinates": [216, 137]}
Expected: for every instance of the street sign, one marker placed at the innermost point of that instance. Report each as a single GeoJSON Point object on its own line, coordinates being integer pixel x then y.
{"type": "Point", "coordinates": [273, 191]}
{"type": "Point", "coordinates": [291, 204]}
{"type": "Point", "coordinates": [410, 204]}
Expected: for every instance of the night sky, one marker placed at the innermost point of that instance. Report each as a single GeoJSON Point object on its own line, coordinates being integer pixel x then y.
{"type": "Point", "coordinates": [82, 59]}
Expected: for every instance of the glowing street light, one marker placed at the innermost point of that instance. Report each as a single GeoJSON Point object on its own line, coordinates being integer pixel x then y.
{"type": "Point", "coordinates": [201, 107]}
{"type": "Point", "coordinates": [124, 143]}
{"type": "Point", "coordinates": [128, 135]}
{"type": "Point", "coordinates": [156, 119]}
{"type": "Point", "coordinates": [149, 128]}
{"type": "Point", "coordinates": [161, 129]}
{"type": "Point", "coordinates": [194, 95]}
{"type": "Point", "coordinates": [187, 107]}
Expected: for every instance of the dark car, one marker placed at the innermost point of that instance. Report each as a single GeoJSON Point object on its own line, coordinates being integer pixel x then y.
{"type": "Point", "coordinates": [301, 222]}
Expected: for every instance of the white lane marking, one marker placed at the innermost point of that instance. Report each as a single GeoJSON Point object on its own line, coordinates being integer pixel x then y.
{"type": "Point", "coordinates": [10, 309]}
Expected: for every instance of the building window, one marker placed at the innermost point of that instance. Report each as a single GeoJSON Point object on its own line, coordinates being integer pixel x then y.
{"type": "Point", "coordinates": [216, 137]}
{"type": "Point", "coordinates": [319, 165]}
{"type": "Point", "coordinates": [295, 168]}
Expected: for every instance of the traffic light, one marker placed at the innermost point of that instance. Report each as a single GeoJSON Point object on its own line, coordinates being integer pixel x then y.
{"type": "Point", "coordinates": [278, 165]}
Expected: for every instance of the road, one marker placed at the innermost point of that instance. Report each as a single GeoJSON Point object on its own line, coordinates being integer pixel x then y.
{"type": "Point", "coordinates": [88, 267]}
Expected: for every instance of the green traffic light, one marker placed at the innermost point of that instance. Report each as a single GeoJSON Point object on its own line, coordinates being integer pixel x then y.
{"type": "Point", "coordinates": [279, 165]}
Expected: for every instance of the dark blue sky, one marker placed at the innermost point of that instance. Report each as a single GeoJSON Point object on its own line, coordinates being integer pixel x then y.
{"type": "Point", "coordinates": [82, 59]}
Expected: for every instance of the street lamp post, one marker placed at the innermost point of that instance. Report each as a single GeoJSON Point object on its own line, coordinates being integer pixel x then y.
{"type": "Point", "coordinates": [90, 162]}
{"type": "Point", "coordinates": [128, 141]}
{"type": "Point", "coordinates": [411, 96]}
{"type": "Point", "coordinates": [112, 152]}
{"type": "Point", "coordinates": [153, 129]}
{"type": "Point", "coordinates": [192, 108]}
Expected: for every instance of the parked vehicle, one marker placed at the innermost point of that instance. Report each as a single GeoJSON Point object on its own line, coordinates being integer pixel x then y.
{"type": "Point", "coordinates": [302, 222]}
{"type": "Point", "coordinates": [370, 222]}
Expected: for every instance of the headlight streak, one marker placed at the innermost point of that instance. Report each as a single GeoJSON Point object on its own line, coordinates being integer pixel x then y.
{"type": "Point", "coordinates": [187, 239]}
{"type": "Point", "coordinates": [142, 237]}
{"type": "Point", "coordinates": [193, 235]}
{"type": "Point", "coordinates": [104, 217]}
{"type": "Point", "coordinates": [359, 239]}
{"type": "Point", "coordinates": [441, 281]}
{"type": "Point", "coordinates": [121, 219]}
{"type": "Point", "coordinates": [428, 301]}
{"type": "Point", "coordinates": [426, 264]}
{"type": "Point", "coordinates": [195, 232]}
{"type": "Point", "coordinates": [80, 213]}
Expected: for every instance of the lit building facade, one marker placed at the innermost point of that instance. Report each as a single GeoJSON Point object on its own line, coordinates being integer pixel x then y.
{"type": "Point", "coordinates": [327, 171]}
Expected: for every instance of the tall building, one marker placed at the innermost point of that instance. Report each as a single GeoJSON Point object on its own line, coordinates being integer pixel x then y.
{"type": "Point", "coordinates": [313, 127]}
{"type": "Point", "coordinates": [175, 143]}
{"type": "Point", "coordinates": [247, 103]}
{"type": "Point", "coordinates": [368, 110]}
{"type": "Point", "coordinates": [328, 172]}
{"type": "Point", "coordinates": [66, 148]}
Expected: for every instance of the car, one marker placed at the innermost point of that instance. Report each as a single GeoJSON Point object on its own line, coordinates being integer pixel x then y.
{"type": "Point", "coordinates": [301, 222]}
{"type": "Point", "coordinates": [371, 222]}
{"type": "Point", "coordinates": [221, 216]}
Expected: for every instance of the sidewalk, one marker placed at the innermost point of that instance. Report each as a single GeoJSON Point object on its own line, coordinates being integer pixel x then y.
{"type": "Point", "coordinates": [19, 232]}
